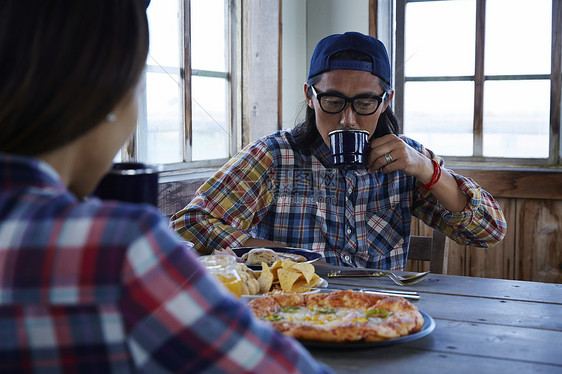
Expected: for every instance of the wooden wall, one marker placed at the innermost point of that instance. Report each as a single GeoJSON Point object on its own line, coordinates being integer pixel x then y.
{"type": "Point", "coordinates": [532, 248]}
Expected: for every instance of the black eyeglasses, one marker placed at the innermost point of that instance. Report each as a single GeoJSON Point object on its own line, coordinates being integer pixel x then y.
{"type": "Point", "coordinates": [334, 103]}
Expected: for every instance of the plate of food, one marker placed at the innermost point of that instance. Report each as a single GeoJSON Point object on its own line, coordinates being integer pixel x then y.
{"type": "Point", "coordinates": [283, 276]}
{"type": "Point", "coordinates": [316, 288]}
{"type": "Point", "coordinates": [428, 327]}
{"type": "Point", "coordinates": [343, 319]}
{"type": "Point", "coordinates": [254, 256]}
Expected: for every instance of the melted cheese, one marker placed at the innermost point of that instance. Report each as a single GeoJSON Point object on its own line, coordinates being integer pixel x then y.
{"type": "Point", "coordinates": [321, 316]}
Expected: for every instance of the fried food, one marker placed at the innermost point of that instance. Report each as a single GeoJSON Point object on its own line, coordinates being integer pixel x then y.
{"type": "Point", "coordinates": [250, 285]}
{"type": "Point", "coordinates": [282, 276]}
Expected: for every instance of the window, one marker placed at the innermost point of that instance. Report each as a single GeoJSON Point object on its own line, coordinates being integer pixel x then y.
{"type": "Point", "coordinates": [185, 109]}
{"type": "Point", "coordinates": [473, 78]}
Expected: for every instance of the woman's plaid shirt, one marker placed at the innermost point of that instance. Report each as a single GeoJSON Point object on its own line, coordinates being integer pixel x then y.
{"type": "Point", "coordinates": [92, 287]}
{"type": "Point", "coordinates": [274, 190]}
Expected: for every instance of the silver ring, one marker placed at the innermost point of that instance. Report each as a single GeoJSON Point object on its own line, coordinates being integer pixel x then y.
{"type": "Point", "coordinates": [388, 158]}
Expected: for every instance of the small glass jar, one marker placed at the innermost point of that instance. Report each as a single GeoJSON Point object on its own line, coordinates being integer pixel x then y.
{"type": "Point", "coordinates": [223, 267]}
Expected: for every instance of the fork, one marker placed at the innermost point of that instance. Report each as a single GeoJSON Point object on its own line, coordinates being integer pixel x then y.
{"type": "Point", "coordinates": [401, 280]}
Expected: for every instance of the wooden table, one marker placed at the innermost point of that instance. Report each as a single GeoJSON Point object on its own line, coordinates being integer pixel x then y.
{"type": "Point", "coordinates": [482, 326]}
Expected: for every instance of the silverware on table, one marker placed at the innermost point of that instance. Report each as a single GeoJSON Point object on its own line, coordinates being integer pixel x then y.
{"type": "Point", "coordinates": [404, 294]}
{"type": "Point", "coordinates": [401, 280]}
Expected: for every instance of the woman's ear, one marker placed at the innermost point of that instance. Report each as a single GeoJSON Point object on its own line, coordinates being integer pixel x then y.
{"type": "Point", "coordinates": [308, 98]}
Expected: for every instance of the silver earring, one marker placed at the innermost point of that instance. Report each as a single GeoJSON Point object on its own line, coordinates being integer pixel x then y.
{"type": "Point", "coordinates": [111, 117]}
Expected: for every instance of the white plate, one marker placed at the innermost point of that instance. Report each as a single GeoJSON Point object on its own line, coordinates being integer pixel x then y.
{"type": "Point", "coordinates": [323, 283]}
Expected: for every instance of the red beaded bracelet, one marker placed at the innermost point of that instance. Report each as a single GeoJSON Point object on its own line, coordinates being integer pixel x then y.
{"type": "Point", "coordinates": [436, 175]}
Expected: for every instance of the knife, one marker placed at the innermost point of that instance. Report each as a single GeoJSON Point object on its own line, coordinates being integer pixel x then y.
{"type": "Point", "coordinates": [404, 294]}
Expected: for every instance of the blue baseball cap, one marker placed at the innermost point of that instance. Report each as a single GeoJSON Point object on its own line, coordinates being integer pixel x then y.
{"type": "Point", "coordinates": [321, 60]}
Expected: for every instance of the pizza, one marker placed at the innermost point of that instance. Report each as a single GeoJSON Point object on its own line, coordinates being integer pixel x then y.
{"type": "Point", "coordinates": [339, 316]}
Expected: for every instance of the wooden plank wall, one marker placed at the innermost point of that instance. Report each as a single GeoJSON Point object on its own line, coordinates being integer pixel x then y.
{"type": "Point", "coordinates": [532, 248]}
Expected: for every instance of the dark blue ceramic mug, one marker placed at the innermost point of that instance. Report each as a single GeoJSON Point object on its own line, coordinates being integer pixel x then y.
{"type": "Point", "coordinates": [350, 148]}
{"type": "Point", "coordinates": [132, 182]}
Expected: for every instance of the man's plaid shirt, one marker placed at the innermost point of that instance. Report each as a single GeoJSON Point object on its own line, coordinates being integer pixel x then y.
{"type": "Point", "coordinates": [274, 190]}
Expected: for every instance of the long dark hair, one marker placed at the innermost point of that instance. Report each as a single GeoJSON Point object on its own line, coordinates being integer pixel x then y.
{"type": "Point", "coordinates": [306, 133]}
{"type": "Point", "coordinates": [64, 65]}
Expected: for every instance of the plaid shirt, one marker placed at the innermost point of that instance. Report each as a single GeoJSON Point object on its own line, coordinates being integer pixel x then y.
{"type": "Point", "coordinates": [105, 287]}
{"type": "Point", "coordinates": [274, 190]}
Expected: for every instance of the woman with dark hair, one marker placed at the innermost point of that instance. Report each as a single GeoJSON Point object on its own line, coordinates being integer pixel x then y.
{"type": "Point", "coordinates": [89, 286]}
{"type": "Point", "coordinates": [283, 189]}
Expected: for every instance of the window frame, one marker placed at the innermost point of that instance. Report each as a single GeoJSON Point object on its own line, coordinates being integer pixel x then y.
{"type": "Point", "coordinates": [133, 152]}
{"type": "Point", "coordinates": [555, 155]}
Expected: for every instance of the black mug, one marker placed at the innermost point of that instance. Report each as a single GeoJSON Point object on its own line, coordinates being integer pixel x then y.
{"type": "Point", "coordinates": [350, 148]}
{"type": "Point", "coordinates": [132, 182]}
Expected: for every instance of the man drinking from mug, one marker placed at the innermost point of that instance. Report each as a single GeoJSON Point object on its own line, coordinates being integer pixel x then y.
{"type": "Point", "coordinates": [283, 189]}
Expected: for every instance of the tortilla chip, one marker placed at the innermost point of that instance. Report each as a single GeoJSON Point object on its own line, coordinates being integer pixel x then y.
{"type": "Point", "coordinates": [276, 266]}
{"type": "Point", "coordinates": [314, 281]}
{"type": "Point", "coordinates": [302, 285]}
{"type": "Point", "coordinates": [288, 264]}
{"type": "Point", "coordinates": [287, 277]}
{"type": "Point", "coordinates": [266, 278]}
{"type": "Point", "coordinates": [306, 269]}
